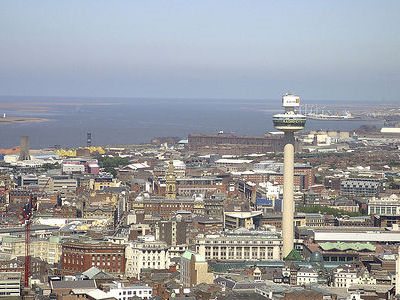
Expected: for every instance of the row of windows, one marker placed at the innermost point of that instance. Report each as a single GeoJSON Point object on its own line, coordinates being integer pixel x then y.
{"type": "Point", "coordinates": [149, 264]}
{"type": "Point", "coordinates": [239, 256]}
{"type": "Point", "coordinates": [240, 242]}
{"type": "Point", "coordinates": [151, 257]}
{"type": "Point", "coordinates": [247, 253]}
{"type": "Point", "coordinates": [105, 258]}
{"type": "Point", "coordinates": [67, 249]}
{"type": "Point", "coordinates": [392, 210]}
{"type": "Point", "coordinates": [135, 292]}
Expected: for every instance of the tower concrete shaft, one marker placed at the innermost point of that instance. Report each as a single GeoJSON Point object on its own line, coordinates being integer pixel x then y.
{"type": "Point", "coordinates": [288, 202]}
{"type": "Point", "coordinates": [288, 122]}
{"type": "Point", "coordinates": [397, 286]}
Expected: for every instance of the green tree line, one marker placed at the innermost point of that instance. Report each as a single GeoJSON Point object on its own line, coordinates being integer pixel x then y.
{"type": "Point", "coordinates": [326, 211]}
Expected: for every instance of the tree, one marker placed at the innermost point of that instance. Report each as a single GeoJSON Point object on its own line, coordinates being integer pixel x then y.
{"type": "Point", "coordinates": [110, 163]}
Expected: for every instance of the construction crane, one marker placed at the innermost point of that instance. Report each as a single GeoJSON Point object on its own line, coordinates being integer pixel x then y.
{"type": "Point", "coordinates": [27, 213]}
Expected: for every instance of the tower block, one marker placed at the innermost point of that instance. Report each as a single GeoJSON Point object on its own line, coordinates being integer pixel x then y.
{"type": "Point", "coordinates": [24, 151]}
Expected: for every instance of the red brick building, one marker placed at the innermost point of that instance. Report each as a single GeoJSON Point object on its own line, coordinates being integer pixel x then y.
{"type": "Point", "coordinates": [78, 257]}
{"type": "Point", "coordinates": [20, 196]}
{"type": "Point", "coordinates": [208, 226]}
{"type": "Point", "coordinates": [188, 186]}
{"type": "Point", "coordinates": [308, 171]}
{"type": "Point", "coordinates": [165, 207]}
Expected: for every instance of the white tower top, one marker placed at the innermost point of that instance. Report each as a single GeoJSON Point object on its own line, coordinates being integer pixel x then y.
{"type": "Point", "coordinates": [290, 101]}
{"type": "Point", "coordinates": [290, 121]}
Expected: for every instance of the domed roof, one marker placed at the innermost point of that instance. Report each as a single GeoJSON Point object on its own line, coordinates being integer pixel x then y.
{"type": "Point", "coordinates": [316, 257]}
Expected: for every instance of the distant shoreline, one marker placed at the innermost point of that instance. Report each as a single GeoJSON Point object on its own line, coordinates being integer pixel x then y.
{"type": "Point", "coordinates": [12, 120]}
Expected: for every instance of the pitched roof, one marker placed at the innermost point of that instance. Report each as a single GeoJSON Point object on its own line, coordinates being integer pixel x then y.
{"type": "Point", "coordinates": [294, 255]}
{"type": "Point", "coordinates": [247, 285]}
{"type": "Point", "coordinates": [73, 284]}
{"type": "Point", "coordinates": [227, 282]}
{"type": "Point", "coordinates": [96, 273]}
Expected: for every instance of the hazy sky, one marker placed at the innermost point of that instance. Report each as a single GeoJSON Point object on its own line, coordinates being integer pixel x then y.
{"type": "Point", "coordinates": [323, 49]}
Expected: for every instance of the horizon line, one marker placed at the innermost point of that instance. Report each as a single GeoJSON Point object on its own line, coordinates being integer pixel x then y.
{"type": "Point", "coordinates": [197, 98]}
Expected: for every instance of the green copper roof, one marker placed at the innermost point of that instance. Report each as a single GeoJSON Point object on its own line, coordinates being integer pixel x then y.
{"type": "Point", "coordinates": [54, 239]}
{"type": "Point", "coordinates": [12, 239]}
{"type": "Point", "coordinates": [294, 255]}
{"type": "Point", "coordinates": [347, 246]}
{"type": "Point", "coordinates": [188, 255]}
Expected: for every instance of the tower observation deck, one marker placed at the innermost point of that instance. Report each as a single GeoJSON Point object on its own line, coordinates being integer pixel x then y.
{"type": "Point", "coordinates": [288, 122]}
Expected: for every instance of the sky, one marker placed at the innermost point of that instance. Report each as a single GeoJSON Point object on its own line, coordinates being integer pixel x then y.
{"type": "Point", "coordinates": [324, 50]}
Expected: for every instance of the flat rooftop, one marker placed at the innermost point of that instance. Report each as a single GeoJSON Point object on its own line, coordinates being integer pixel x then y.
{"type": "Point", "coordinates": [243, 214]}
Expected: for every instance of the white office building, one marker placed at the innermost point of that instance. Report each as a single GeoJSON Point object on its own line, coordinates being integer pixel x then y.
{"type": "Point", "coordinates": [384, 206]}
{"type": "Point", "coordinates": [146, 253]}
{"type": "Point", "coordinates": [307, 276]}
{"type": "Point", "coordinates": [121, 292]}
{"type": "Point", "coordinates": [10, 284]}
{"type": "Point", "coordinates": [240, 245]}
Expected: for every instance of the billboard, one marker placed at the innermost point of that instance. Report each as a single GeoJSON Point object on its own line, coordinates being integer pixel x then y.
{"type": "Point", "coordinates": [290, 101]}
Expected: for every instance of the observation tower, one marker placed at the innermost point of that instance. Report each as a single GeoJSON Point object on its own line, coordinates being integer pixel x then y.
{"type": "Point", "coordinates": [288, 122]}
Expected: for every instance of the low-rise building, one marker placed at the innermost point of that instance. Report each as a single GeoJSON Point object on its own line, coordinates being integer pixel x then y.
{"type": "Point", "coordinates": [248, 219]}
{"type": "Point", "coordinates": [120, 291]}
{"type": "Point", "coordinates": [240, 245]}
{"type": "Point", "coordinates": [146, 253]}
{"type": "Point", "coordinates": [167, 207]}
{"type": "Point", "coordinates": [307, 276]}
{"type": "Point", "coordinates": [58, 183]}
{"type": "Point", "coordinates": [348, 276]}
{"type": "Point", "coordinates": [103, 181]}
{"type": "Point", "coordinates": [48, 250]}
{"type": "Point", "coordinates": [361, 187]}
{"type": "Point", "coordinates": [80, 256]}
{"type": "Point", "coordinates": [10, 284]}
{"type": "Point", "coordinates": [389, 206]}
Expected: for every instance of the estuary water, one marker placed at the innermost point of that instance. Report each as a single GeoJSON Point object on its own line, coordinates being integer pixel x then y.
{"type": "Point", "coordinates": [119, 121]}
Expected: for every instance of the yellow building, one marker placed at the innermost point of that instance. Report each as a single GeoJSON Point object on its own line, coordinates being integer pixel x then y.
{"type": "Point", "coordinates": [198, 207]}
{"type": "Point", "coordinates": [102, 182]}
{"type": "Point", "coordinates": [194, 270]}
{"type": "Point", "coordinates": [105, 198]}
{"type": "Point", "coordinates": [47, 250]}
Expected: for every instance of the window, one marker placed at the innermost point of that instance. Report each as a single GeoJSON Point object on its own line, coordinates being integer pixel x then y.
{"type": "Point", "coordinates": [254, 252]}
